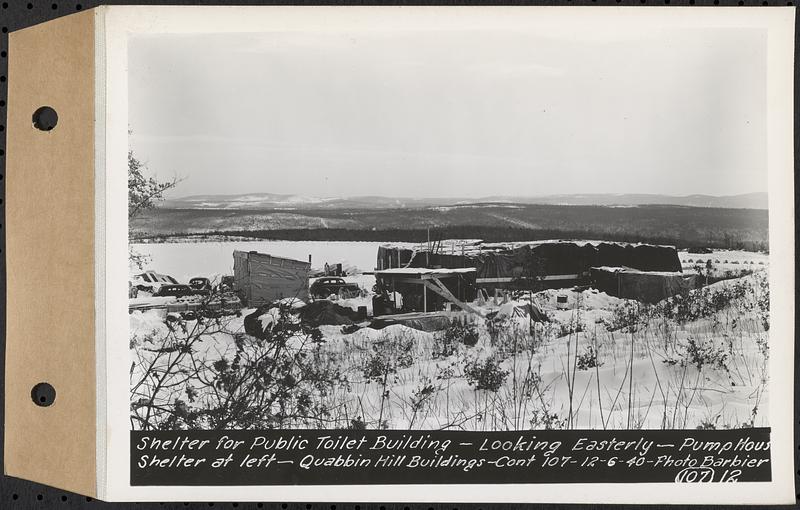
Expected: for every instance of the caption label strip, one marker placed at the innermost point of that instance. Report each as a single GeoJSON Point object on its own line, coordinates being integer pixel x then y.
{"type": "Point", "coordinates": [346, 457]}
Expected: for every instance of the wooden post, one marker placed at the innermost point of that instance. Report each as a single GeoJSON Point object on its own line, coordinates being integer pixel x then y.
{"type": "Point", "coordinates": [425, 298]}
{"type": "Point", "coordinates": [428, 252]}
{"type": "Point", "coordinates": [435, 285]}
{"type": "Point", "coordinates": [249, 293]}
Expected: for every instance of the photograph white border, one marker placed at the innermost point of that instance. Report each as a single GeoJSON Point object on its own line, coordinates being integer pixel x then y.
{"type": "Point", "coordinates": [117, 23]}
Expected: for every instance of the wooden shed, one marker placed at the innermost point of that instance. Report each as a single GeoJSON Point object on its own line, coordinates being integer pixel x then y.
{"type": "Point", "coordinates": [426, 290]}
{"type": "Point", "coordinates": [260, 278]}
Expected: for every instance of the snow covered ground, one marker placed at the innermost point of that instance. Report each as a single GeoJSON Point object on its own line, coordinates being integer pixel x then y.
{"type": "Point", "coordinates": [601, 362]}
{"type": "Point", "coordinates": [720, 261]}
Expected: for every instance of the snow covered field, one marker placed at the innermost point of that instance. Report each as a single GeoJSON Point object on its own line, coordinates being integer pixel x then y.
{"type": "Point", "coordinates": [186, 260]}
{"type": "Point", "coordinates": [603, 362]}
{"type": "Point", "coordinates": [732, 261]}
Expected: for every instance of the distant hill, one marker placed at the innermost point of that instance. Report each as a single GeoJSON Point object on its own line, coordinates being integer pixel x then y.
{"type": "Point", "coordinates": [660, 224]}
{"type": "Point", "coordinates": [292, 202]}
{"type": "Point", "coordinates": [257, 201]}
{"type": "Point", "coordinates": [746, 201]}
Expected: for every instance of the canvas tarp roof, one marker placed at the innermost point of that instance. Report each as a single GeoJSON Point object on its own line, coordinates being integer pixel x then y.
{"type": "Point", "coordinates": [522, 310]}
{"type": "Point", "coordinates": [645, 286]}
{"type": "Point", "coordinates": [572, 260]}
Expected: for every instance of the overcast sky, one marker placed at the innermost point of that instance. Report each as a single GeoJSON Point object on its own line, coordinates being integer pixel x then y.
{"type": "Point", "coordinates": [452, 114]}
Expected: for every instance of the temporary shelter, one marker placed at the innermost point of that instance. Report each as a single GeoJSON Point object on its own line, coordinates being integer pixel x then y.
{"type": "Point", "coordinates": [426, 290]}
{"type": "Point", "coordinates": [259, 278]}
{"type": "Point", "coordinates": [554, 263]}
{"type": "Point", "coordinates": [646, 286]}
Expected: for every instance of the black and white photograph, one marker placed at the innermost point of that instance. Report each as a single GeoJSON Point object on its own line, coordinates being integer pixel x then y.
{"type": "Point", "coordinates": [467, 229]}
{"type": "Point", "coordinates": [347, 255]}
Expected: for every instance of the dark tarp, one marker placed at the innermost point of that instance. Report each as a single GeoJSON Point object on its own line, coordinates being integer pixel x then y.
{"type": "Point", "coordinates": [391, 257]}
{"type": "Point", "coordinates": [324, 312]}
{"type": "Point", "coordinates": [655, 258]}
{"type": "Point", "coordinates": [439, 260]}
{"type": "Point", "coordinates": [550, 259]}
{"type": "Point", "coordinates": [252, 323]}
{"type": "Point", "coordinates": [504, 264]}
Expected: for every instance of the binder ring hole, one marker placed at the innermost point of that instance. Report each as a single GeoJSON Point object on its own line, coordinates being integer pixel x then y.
{"type": "Point", "coordinates": [45, 118]}
{"type": "Point", "coordinates": [43, 394]}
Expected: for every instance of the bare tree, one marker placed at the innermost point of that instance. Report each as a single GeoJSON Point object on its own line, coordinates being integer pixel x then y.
{"type": "Point", "coordinates": [143, 194]}
{"type": "Point", "coordinates": [279, 381]}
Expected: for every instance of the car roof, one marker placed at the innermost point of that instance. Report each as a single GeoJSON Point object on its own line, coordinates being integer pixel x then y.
{"type": "Point", "coordinates": [153, 274]}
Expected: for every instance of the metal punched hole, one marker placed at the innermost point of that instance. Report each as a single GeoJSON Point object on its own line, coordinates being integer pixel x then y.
{"type": "Point", "coordinates": [45, 118]}
{"type": "Point", "coordinates": [43, 394]}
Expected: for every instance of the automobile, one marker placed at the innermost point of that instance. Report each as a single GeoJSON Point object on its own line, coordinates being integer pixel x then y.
{"type": "Point", "coordinates": [200, 285]}
{"type": "Point", "coordinates": [172, 290]}
{"type": "Point", "coordinates": [325, 286]}
{"type": "Point", "coordinates": [226, 284]}
{"type": "Point", "coordinates": [150, 281]}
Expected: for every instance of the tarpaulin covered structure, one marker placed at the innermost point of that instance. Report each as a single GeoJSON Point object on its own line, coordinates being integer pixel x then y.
{"type": "Point", "coordinates": [646, 286]}
{"type": "Point", "coordinates": [430, 321]}
{"type": "Point", "coordinates": [323, 312]}
{"type": "Point", "coordinates": [552, 264]}
{"type": "Point", "coordinates": [259, 278]}
{"type": "Point", "coordinates": [522, 310]}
